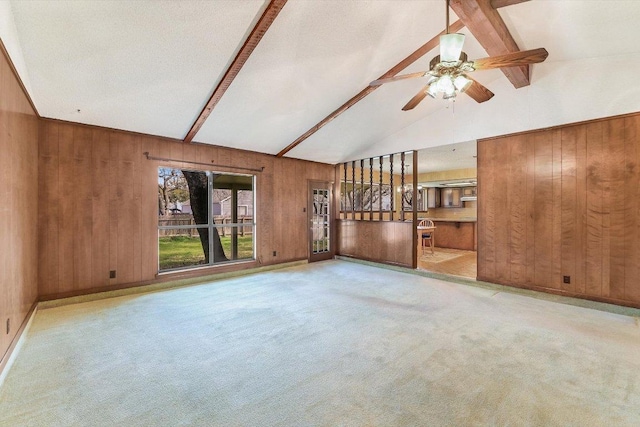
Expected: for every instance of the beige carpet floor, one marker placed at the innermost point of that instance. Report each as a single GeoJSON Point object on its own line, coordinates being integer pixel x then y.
{"type": "Point", "coordinates": [327, 344]}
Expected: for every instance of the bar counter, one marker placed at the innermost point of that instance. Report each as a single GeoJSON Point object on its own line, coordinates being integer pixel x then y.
{"type": "Point", "coordinates": [456, 233]}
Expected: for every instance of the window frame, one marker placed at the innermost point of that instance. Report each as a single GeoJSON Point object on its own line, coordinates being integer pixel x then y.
{"type": "Point", "coordinates": [210, 226]}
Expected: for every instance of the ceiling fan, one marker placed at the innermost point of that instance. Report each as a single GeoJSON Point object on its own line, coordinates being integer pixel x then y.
{"type": "Point", "coordinates": [448, 71]}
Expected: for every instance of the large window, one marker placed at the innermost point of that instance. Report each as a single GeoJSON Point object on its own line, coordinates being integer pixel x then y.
{"type": "Point", "coordinates": [204, 218]}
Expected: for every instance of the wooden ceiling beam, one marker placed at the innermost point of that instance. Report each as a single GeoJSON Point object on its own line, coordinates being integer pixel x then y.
{"type": "Point", "coordinates": [268, 16]}
{"type": "Point", "coordinates": [497, 4]}
{"type": "Point", "coordinates": [417, 54]}
{"type": "Point", "coordinates": [487, 26]}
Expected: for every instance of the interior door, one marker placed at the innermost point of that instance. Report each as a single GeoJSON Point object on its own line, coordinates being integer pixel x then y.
{"type": "Point", "coordinates": [319, 214]}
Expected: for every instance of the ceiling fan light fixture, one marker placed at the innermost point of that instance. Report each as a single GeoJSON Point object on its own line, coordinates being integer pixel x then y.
{"type": "Point", "coordinates": [451, 47]}
{"type": "Point", "coordinates": [447, 74]}
{"type": "Point", "coordinates": [432, 91]}
{"type": "Point", "coordinates": [445, 85]}
{"type": "Point", "coordinates": [462, 83]}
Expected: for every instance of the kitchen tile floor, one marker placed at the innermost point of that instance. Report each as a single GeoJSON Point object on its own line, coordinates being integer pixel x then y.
{"type": "Point", "coordinates": [449, 261]}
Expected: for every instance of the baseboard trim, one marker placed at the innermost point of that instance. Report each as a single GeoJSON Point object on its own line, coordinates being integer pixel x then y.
{"type": "Point", "coordinates": [555, 291]}
{"type": "Point", "coordinates": [498, 287]}
{"type": "Point", "coordinates": [13, 350]}
{"type": "Point", "coordinates": [52, 301]}
{"type": "Point", "coordinates": [372, 260]}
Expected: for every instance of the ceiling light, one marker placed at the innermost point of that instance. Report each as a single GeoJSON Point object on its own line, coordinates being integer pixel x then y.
{"type": "Point", "coordinates": [448, 71]}
{"type": "Point", "coordinates": [432, 91]}
{"type": "Point", "coordinates": [449, 85]}
{"type": "Point", "coordinates": [459, 184]}
{"type": "Point", "coordinates": [451, 47]}
{"type": "Point", "coordinates": [462, 83]}
{"type": "Point", "coordinates": [445, 84]}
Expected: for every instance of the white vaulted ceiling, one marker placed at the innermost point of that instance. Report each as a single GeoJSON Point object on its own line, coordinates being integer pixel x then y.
{"type": "Point", "coordinates": [151, 66]}
{"type": "Point", "coordinates": [144, 66]}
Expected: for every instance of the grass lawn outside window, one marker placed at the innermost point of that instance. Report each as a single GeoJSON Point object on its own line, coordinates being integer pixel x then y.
{"type": "Point", "coordinates": [181, 251]}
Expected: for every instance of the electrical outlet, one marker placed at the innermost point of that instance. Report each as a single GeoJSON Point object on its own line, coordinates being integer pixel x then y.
{"type": "Point", "coordinates": [566, 279]}
{"type": "Point", "coordinates": [112, 274]}
{"type": "Point", "coordinates": [8, 326]}
{"type": "Point", "coordinates": [274, 253]}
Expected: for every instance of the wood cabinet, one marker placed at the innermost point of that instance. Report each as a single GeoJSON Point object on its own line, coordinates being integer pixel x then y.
{"type": "Point", "coordinates": [433, 197]}
{"type": "Point", "coordinates": [450, 197]}
{"type": "Point", "coordinates": [469, 191]}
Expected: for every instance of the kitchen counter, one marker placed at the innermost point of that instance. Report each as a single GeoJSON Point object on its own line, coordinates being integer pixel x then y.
{"type": "Point", "coordinates": [461, 219]}
{"type": "Point", "coordinates": [455, 233]}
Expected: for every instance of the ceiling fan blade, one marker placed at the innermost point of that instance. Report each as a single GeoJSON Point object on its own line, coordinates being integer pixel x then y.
{"type": "Point", "coordinates": [478, 92]}
{"type": "Point", "coordinates": [396, 78]}
{"type": "Point", "coordinates": [416, 99]}
{"type": "Point", "coordinates": [514, 59]}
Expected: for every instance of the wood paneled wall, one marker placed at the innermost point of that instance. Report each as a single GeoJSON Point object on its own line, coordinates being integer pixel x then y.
{"type": "Point", "coordinates": [563, 202]}
{"type": "Point", "coordinates": [98, 205]}
{"type": "Point", "coordinates": [389, 242]}
{"type": "Point", "coordinates": [18, 205]}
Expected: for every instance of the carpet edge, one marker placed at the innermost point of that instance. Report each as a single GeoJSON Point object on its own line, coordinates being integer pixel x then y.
{"type": "Point", "coordinates": [157, 287]}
